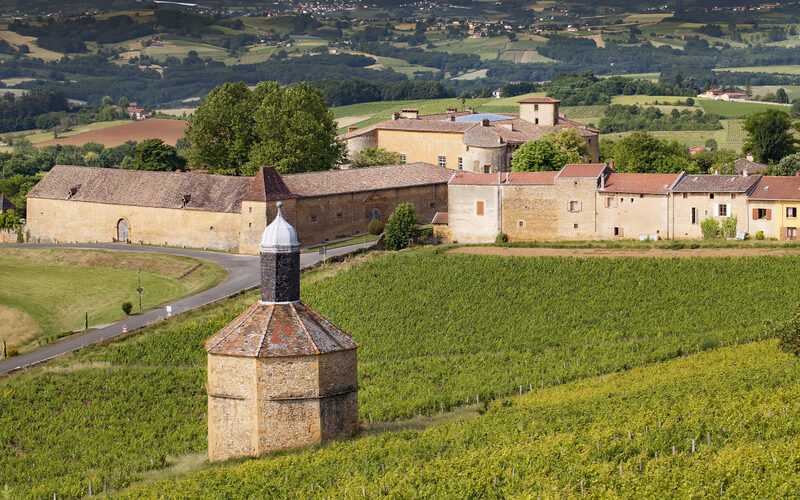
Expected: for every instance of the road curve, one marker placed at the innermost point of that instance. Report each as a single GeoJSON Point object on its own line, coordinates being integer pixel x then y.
{"type": "Point", "coordinates": [243, 274]}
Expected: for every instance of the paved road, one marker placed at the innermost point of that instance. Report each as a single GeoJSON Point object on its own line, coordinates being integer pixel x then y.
{"type": "Point", "coordinates": [243, 274]}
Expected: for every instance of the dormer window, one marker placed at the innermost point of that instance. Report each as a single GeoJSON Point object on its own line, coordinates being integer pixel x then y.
{"type": "Point", "coordinates": [72, 192]}
{"type": "Point", "coordinates": [185, 199]}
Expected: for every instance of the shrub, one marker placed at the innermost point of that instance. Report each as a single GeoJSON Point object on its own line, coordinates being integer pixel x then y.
{"type": "Point", "coordinates": [710, 228]}
{"type": "Point", "coordinates": [501, 238]}
{"type": "Point", "coordinates": [375, 227]}
{"type": "Point", "coordinates": [127, 307]}
{"type": "Point", "coordinates": [729, 227]}
{"type": "Point", "coordinates": [789, 334]}
{"type": "Point", "coordinates": [12, 351]}
{"type": "Point", "coordinates": [401, 227]}
{"type": "Point", "coordinates": [426, 233]}
{"type": "Point", "coordinates": [759, 235]}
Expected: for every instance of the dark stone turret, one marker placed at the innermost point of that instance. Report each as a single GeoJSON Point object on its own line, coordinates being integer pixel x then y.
{"type": "Point", "coordinates": [280, 262]}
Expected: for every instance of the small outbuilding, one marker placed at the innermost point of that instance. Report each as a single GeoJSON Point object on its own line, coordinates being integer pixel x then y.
{"type": "Point", "coordinates": [279, 375]}
{"type": "Point", "coordinates": [5, 204]}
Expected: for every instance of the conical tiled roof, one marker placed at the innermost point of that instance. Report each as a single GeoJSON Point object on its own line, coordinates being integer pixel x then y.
{"type": "Point", "coordinates": [278, 330]}
{"type": "Point", "coordinates": [5, 203]}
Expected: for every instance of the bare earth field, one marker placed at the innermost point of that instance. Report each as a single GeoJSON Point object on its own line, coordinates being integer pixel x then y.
{"type": "Point", "coordinates": [167, 130]}
{"type": "Point", "coordinates": [625, 252]}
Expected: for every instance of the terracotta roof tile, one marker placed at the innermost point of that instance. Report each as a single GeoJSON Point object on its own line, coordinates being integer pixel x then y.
{"type": "Point", "coordinates": [276, 330]}
{"type": "Point", "coordinates": [5, 203]}
{"type": "Point", "coordinates": [752, 167]}
{"type": "Point", "coordinates": [716, 184]}
{"type": "Point", "coordinates": [366, 179]}
{"type": "Point", "coordinates": [538, 100]}
{"type": "Point", "coordinates": [186, 190]}
{"type": "Point", "coordinates": [267, 185]}
{"type": "Point", "coordinates": [471, 179]}
{"type": "Point", "coordinates": [640, 183]}
{"type": "Point", "coordinates": [777, 188]}
{"type": "Point", "coordinates": [532, 178]}
{"type": "Point", "coordinates": [582, 170]}
{"type": "Point", "coordinates": [440, 218]}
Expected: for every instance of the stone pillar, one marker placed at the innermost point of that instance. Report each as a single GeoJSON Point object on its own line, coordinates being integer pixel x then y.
{"type": "Point", "coordinates": [280, 276]}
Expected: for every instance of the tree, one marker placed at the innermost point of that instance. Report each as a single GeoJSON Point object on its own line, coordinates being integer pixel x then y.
{"type": "Point", "coordinates": [781, 96]}
{"type": "Point", "coordinates": [153, 154]}
{"type": "Point", "coordinates": [711, 143]}
{"type": "Point", "coordinates": [537, 156]}
{"type": "Point", "coordinates": [371, 157]}
{"type": "Point", "coordinates": [123, 102]}
{"type": "Point", "coordinates": [769, 135]}
{"type": "Point", "coordinates": [795, 110]}
{"type": "Point", "coordinates": [571, 143]}
{"type": "Point", "coordinates": [642, 152]}
{"type": "Point", "coordinates": [107, 101]}
{"type": "Point", "coordinates": [237, 130]}
{"type": "Point", "coordinates": [401, 227]}
{"type": "Point", "coordinates": [789, 165]}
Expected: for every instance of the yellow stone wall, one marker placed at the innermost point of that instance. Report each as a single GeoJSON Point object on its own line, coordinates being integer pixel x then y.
{"type": "Point", "coordinates": [530, 212]}
{"type": "Point", "coordinates": [682, 226]}
{"type": "Point", "coordinates": [782, 221]}
{"type": "Point", "coordinates": [634, 214]}
{"type": "Point", "coordinates": [580, 224]}
{"type": "Point", "coordinates": [423, 146]}
{"type": "Point", "coordinates": [772, 227]}
{"type": "Point", "coordinates": [65, 221]}
{"type": "Point", "coordinates": [232, 411]}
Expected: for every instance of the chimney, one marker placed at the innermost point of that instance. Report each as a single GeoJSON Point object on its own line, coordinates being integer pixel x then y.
{"type": "Point", "coordinates": [452, 118]}
{"type": "Point", "coordinates": [485, 122]}
{"type": "Point", "coordinates": [509, 126]}
{"type": "Point", "coordinates": [471, 110]}
{"type": "Point", "coordinates": [797, 174]}
{"type": "Point", "coordinates": [750, 157]}
{"type": "Point", "coordinates": [352, 128]}
{"type": "Point", "coordinates": [744, 173]}
{"type": "Point", "coordinates": [452, 109]}
{"type": "Point", "coordinates": [611, 164]}
{"type": "Point", "coordinates": [411, 113]}
{"type": "Point", "coordinates": [280, 262]}
{"type": "Point", "coordinates": [395, 116]}
{"type": "Point", "coordinates": [716, 171]}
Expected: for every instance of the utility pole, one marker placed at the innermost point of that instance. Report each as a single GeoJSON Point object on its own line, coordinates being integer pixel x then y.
{"type": "Point", "coordinates": [139, 270]}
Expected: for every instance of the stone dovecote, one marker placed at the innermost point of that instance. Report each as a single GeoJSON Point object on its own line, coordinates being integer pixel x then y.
{"type": "Point", "coordinates": [279, 375]}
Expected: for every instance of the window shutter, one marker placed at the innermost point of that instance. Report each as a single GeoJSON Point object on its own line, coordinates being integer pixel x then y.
{"type": "Point", "coordinates": [755, 214]}
{"type": "Point", "coordinates": [727, 209]}
{"type": "Point", "coordinates": [769, 214]}
{"type": "Point", "coordinates": [580, 206]}
{"type": "Point", "coordinates": [716, 209]}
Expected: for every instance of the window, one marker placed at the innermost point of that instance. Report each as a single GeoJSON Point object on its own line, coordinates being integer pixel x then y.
{"type": "Point", "coordinates": [722, 209]}
{"type": "Point", "coordinates": [791, 212]}
{"type": "Point", "coordinates": [536, 107]}
{"type": "Point", "coordinates": [249, 224]}
{"type": "Point", "coordinates": [616, 231]}
{"type": "Point", "coordinates": [733, 196]}
{"type": "Point", "coordinates": [251, 210]}
{"type": "Point", "coordinates": [443, 162]}
{"type": "Point", "coordinates": [521, 223]}
{"type": "Point", "coordinates": [574, 226]}
{"type": "Point", "coordinates": [402, 158]}
{"type": "Point", "coordinates": [641, 196]}
{"type": "Point", "coordinates": [339, 215]}
{"type": "Point", "coordinates": [313, 218]}
{"type": "Point", "coordinates": [622, 200]}
{"type": "Point", "coordinates": [460, 163]}
{"type": "Point", "coordinates": [631, 200]}
{"type": "Point", "coordinates": [694, 215]}
{"type": "Point", "coordinates": [479, 207]}
{"type": "Point", "coordinates": [761, 213]}
{"type": "Point", "coordinates": [574, 206]}
{"type": "Point", "coordinates": [536, 121]}
{"type": "Point", "coordinates": [610, 202]}
{"type": "Point", "coordinates": [487, 169]}
{"type": "Point", "coordinates": [432, 204]}
{"type": "Point", "coordinates": [711, 196]}
{"type": "Point", "coordinates": [791, 233]}
{"type": "Point", "coordinates": [685, 195]}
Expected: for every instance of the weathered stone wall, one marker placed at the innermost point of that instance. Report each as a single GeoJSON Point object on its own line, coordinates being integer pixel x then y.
{"type": "Point", "coordinates": [579, 224]}
{"type": "Point", "coordinates": [338, 372]}
{"type": "Point", "coordinates": [280, 276]}
{"type": "Point", "coordinates": [465, 223]}
{"type": "Point", "coordinates": [288, 377]}
{"type": "Point", "coordinates": [289, 423]}
{"type": "Point", "coordinates": [9, 235]}
{"type": "Point", "coordinates": [633, 214]}
{"type": "Point", "coordinates": [339, 415]}
{"type": "Point", "coordinates": [704, 205]}
{"type": "Point", "coordinates": [475, 159]}
{"type": "Point", "coordinates": [530, 212]}
{"type": "Point", "coordinates": [64, 221]}
{"type": "Point", "coordinates": [231, 407]}
{"type": "Point", "coordinates": [254, 220]}
{"type": "Point", "coordinates": [361, 142]}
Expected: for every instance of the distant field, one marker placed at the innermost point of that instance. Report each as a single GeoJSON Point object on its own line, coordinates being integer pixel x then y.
{"type": "Point", "coordinates": [653, 77]}
{"type": "Point", "coordinates": [792, 69]}
{"type": "Point", "coordinates": [730, 137]}
{"type": "Point", "coordinates": [50, 290]}
{"type": "Point", "coordinates": [645, 99]}
{"type": "Point", "coordinates": [793, 91]}
{"type": "Point", "coordinates": [39, 136]}
{"type": "Point", "coordinates": [399, 65]}
{"type": "Point", "coordinates": [167, 130]}
{"type": "Point", "coordinates": [646, 18]}
{"type": "Point", "coordinates": [486, 48]}
{"type": "Point", "coordinates": [727, 109]}
{"type": "Point", "coordinates": [35, 51]}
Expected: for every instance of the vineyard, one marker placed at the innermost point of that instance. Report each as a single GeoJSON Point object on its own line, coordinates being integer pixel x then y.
{"type": "Point", "coordinates": [439, 331]}
{"type": "Point", "coordinates": [722, 423]}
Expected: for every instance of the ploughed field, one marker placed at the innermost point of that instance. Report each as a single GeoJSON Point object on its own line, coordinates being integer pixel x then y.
{"type": "Point", "coordinates": [439, 331]}
{"type": "Point", "coordinates": [156, 128]}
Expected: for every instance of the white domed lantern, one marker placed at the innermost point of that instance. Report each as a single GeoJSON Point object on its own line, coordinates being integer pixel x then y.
{"type": "Point", "coordinates": [280, 262]}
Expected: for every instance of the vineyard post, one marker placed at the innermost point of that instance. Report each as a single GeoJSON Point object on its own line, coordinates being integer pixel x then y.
{"type": "Point", "coordinates": [692, 445]}
{"type": "Point", "coordinates": [673, 449]}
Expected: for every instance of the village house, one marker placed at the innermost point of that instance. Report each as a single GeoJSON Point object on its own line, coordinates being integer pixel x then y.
{"type": "Point", "coordinates": [774, 204]}
{"type": "Point", "coordinates": [468, 140]}
{"type": "Point", "coordinates": [5, 204]}
{"type": "Point", "coordinates": [748, 165]}
{"type": "Point", "coordinates": [697, 197]}
{"type": "Point", "coordinates": [86, 204]}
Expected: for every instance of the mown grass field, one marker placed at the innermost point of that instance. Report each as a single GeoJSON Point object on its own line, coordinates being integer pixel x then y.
{"type": "Point", "coordinates": [727, 109]}
{"type": "Point", "coordinates": [792, 69]}
{"type": "Point", "coordinates": [49, 291]}
{"type": "Point", "coordinates": [436, 330]}
{"type": "Point", "coordinates": [731, 136]}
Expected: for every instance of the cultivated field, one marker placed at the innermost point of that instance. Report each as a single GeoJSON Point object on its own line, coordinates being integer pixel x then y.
{"type": "Point", "coordinates": [46, 292]}
{"type": "Point", "coordinates": [727, 109]}
{"type": "Point", "coordinates": [792, 69]}
{"type": "Point", "coordinates": [35, 51]}
{"type": "Point", "coordinates": [167, 130]}
{"type": "Point", "coordinates": [446, 331]}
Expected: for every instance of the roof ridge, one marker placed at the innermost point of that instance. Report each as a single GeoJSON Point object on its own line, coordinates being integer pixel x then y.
{"type": "Point", "coordinates": [266, 328]}
{"type": "Point", "coordinates": [303, 326]}
{"type": "Point", "coordinates": [242, 317]}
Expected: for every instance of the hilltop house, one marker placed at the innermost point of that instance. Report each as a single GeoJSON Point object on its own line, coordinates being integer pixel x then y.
{"type": "Point", "coordinates": [468, 140]}
{"type": "Point", "coordinates": [86, 204]}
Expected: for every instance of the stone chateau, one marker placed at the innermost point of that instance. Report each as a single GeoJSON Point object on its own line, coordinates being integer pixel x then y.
{"type": "Point", "coordinates": [86, 204]}
{"type": "Point", "coordinates": [279, 375]}
{"type": "Point", "coordinates": [467, 140]}
{"type": "Point", "coordinates": [592, 201]}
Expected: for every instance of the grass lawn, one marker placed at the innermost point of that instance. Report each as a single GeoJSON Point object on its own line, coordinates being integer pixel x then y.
{"type": "Point", "coordinates": [727, 109]}
{"type": "Point", "coordinates": [730, 137]}
{"type": "Point", "coordinates": [48, 291]}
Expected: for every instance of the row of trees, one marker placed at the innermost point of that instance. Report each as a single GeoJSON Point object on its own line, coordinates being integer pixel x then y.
{"type": "Point", "coordinates": [622, 118]}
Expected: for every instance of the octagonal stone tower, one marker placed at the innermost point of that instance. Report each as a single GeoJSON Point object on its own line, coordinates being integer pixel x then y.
{"type": "Point", "coordinates": [279, 375]}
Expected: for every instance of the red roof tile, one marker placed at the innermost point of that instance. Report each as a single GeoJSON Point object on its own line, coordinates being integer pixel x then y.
{"type": "Point", "coordinates": [440, 218]}
{"type": "Point", "coordinates": [716, 184]}
{"type": "Point", "coordinates": [582, 170]}
{"type": "Point", "coordinates": [640, 183]}
{"type": "Point", "coordinates": [538, 100]}
{"type": "Point", "coordinates": [531, 177]}
{"type": "Point", "coordinates": [471, 179]}
{"type": "Point", "coordinates": [777, 188]}
{"type": "Point", "coordinates": [366, 179]}
{"type": "Point", "coordinates": [277, 330]}
{"type": "Point", "coordinates": [267, 185]}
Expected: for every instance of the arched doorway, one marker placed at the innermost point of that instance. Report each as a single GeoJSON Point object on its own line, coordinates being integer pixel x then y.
{"type": "Point", "coordinates": [122, 230]}
{"type": "Point", "coordinates": [374, 214]}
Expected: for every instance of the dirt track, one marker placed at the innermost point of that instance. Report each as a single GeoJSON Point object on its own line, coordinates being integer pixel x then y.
{"type": "Point", "coordinates": [625, 252]}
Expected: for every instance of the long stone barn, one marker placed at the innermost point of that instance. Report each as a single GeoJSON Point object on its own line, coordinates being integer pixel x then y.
{"type": "Point", "coordinates": [85, 204]}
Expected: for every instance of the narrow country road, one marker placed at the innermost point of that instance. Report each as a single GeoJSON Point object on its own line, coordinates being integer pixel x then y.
{"type": "Point", "coordinates": [243, 274]}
